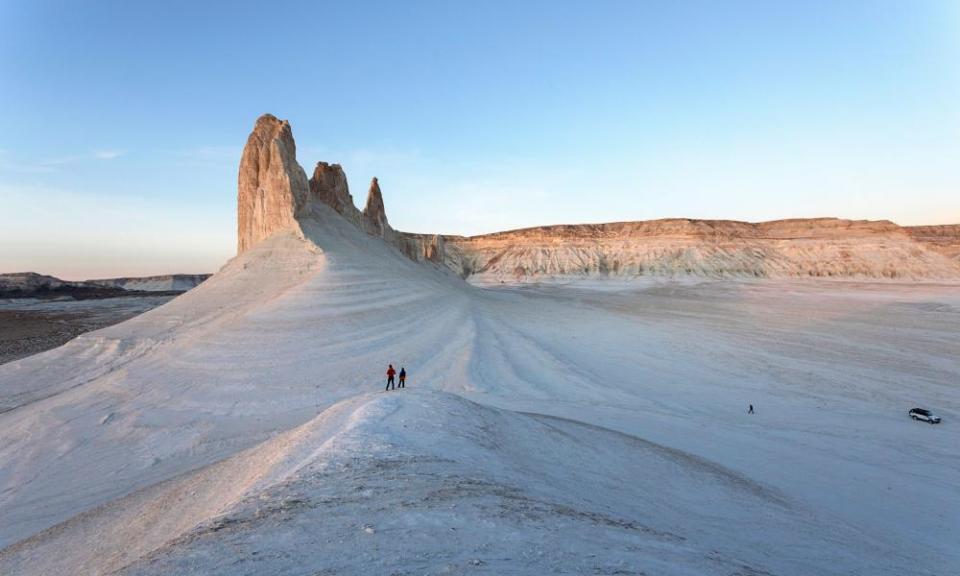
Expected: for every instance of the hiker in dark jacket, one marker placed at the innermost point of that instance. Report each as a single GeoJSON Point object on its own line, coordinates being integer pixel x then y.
{"type": "Point", "coordinates": [403, 377]}
{"type": "Point", "coordinates": [390, 373]}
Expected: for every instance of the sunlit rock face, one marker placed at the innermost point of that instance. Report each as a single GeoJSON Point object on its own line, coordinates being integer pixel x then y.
{"type": "Point", "coordinates": [374, 213]}
{"type": "Point", "coordinates": [329, 186]}
{"type": "Point", "coordinates": [944, 238]}
{"type": "Point", "coordinates": [274, 193]}
{"type": "Point", "coordinates": [272, 188]}
{"type": "Point", "coordinates": [798, 248]}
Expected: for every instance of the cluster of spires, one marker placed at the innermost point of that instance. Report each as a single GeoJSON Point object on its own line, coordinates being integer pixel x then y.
{"type": "Point", "coordinates": [273, 190]}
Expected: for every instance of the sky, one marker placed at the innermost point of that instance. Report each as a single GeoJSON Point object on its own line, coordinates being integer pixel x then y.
{"type": "Point", "coordinates": [122, 123]}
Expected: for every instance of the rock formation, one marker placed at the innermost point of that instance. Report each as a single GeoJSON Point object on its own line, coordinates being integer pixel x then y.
{"type": "Point", "coordinates": [329, 185]}
{"type": "Point", "coordinates": [162, 283]}
{"type": "Point", "coordinates": [816, 247]}
{"type": "Point", "coordinates": [944, 238]}
{"type": "Point", "coordinates": [33, 285]}
{"type": "Point", "coordinates": [274, 193]}
{"type": "Point", "coordinates": [374, 213]}
{"type": "Point", "coordinates": [429, 248]}
{"type": "Point", "coordinates": [272, 188]}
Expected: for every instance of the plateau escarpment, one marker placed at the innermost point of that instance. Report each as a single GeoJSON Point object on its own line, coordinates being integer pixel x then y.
{"type": "Point", "coordinates": [274, 193]}
{"type": "Point", "coordinates": [163, 283]}
{"type": "Point", "coordinates": [33, 285]}
{"type": "Point", "coordinates": [818, 247]}
{"type": "Point", "coordinates": [944, 238]}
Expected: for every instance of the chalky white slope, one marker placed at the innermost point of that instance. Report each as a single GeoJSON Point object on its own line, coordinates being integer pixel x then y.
{"type": "Point", "coordinates": [242, 428]}
{"type": "Point", "coordinates": [206, 437]}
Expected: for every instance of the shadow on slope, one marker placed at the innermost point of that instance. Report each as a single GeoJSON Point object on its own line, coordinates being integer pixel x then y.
{"type": "Point", "coordinates": [419, 481]}
{"type": "Point", "coordinates": [282, 331]}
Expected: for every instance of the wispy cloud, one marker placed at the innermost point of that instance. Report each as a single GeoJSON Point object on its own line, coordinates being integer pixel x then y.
{"type": "Point", "coordinates": [49, 165]}
{"type": "Point", "coordinates": [108, 154]}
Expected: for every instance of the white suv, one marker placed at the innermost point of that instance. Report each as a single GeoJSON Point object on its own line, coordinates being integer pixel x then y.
{"type": "Point", "coordinates": [925, 415]}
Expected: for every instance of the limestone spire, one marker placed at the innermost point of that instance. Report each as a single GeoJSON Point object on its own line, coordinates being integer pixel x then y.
{"type": "Point", "coordinates": [271, 187]}
{"type": "Point", "coordinates": [374, 214]}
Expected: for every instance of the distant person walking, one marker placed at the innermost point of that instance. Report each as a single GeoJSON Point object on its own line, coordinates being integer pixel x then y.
{"type": "Point", "coordinates": [403, 377]}
{"type": "Point", "coordinates": [390, 374]}
{"type": "Point", "coordinates": [750, 410]}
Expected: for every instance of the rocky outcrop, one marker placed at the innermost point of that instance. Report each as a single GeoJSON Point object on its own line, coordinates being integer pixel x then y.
{"type": "Point", "coordinates": [428, 248]}
{"type": "Point", "coordinates": [274, 192]}
{"type": "Point", "coordinates": [944, 238]}
{"type": "Point", "coordinates": [164, 283]}
{"type": "Point", "coordinates": [329, 186]}
{"type": "Point", "coordinates": [374, 213]}
{"type": "Point", "coordinates": [272, 188]}
{"type": "Point", "coordinates": [30, 282]}
{"type": "Point", "coordinates": [33, 285]}
{"type": "Point", "coordinates": [818, 247]}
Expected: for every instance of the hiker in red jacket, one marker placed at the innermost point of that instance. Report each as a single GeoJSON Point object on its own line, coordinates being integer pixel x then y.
{"type": "Point", "coordinates": [390, 374]}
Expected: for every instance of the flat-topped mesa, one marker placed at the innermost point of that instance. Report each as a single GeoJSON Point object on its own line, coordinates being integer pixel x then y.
{"type": "Point", "coordinates": [796, 248]}
{"type": "Point", "coordinates": [272, 189]}
{"type": "Point", "coordinates": [374, 213]}
{"type": "Point", "coordinates": [704, 229]}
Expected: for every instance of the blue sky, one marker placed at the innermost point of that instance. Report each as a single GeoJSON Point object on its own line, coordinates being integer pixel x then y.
{"type": "Point", "coordinates": [121, 123]}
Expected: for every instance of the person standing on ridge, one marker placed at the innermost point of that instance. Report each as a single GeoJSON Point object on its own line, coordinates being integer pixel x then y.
{"type": "Point", "coordinates": [403, 377]}
{"type": "Point", "coordinates": [390, 374]}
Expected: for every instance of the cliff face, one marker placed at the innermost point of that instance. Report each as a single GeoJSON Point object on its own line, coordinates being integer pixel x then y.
{"type": "Point", "coordinates": [945, 238]}
{"type": "Point", "coordinates": [329, 186]}
{"type": "Point", "coordinates": [272, 188]}
{"type": "Point", "coordinates": [797, 248]}
{"type": "Point", "coordinates": [33, 285]}
{"type": "Point", "coordinates": [821, 247]}
{"type": "Point", "coordinates": [163, 283]}
{"type": "Point", "coordinates": [374, 213]}
{"type": "Point", "coordinates": [273, 193]}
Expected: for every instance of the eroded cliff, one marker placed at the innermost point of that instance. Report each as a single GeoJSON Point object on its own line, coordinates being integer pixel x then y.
{"type": "Point", "coordinates": [272, 188]}
{"type": "Point", "coordinates": [274, 193]}
{"type": "Point", "coordinates": [820, 247]}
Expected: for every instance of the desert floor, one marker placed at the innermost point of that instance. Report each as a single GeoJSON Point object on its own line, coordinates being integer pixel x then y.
{"type": "Point", "coordinates": [243, 428]}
